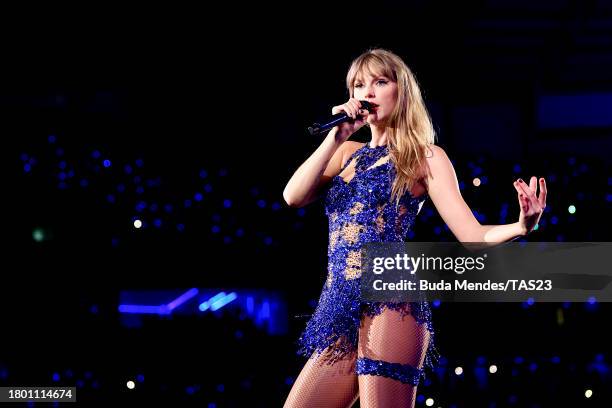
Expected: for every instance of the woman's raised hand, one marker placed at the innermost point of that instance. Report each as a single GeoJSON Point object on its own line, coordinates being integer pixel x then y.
{"type": "Point", "coordinates": [532, 205]}
{"type": "Point", "coordinates": [355, 111]}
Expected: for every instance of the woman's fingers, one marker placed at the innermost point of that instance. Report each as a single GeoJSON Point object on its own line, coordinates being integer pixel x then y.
{"type": "Point", "coordinates": [346, 108]}
{"type": "Point", "coordinates": [533, 184]}
{"type": "Point", "coordinates": [352, 108]}
{"type": "Point", "coordinates": [354, 104]}
{"type": "Point", "coordinates": [524, 202]}
{"type": "Point", "coordinates": [523, 188]}
{"type": "Point", "coordinates": [338, 109]}
{"type": "Point", "coordinates": [530, 191]}
{"type": "Point", "coordinates": [521, 197]}
{"type": "Point", "coordinates": [543, 191]}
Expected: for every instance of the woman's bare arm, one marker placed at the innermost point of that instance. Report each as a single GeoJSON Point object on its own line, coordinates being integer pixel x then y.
{"type": "Point", "coordinates": [325, 163]}
{"type": "Point", "coordinates": [303, 187]}
{"type": "Point", "coordinates": [443, 190]}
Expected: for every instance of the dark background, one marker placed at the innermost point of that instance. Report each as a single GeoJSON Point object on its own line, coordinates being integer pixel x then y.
{"type": "Point", "coordinates": [202, 115]}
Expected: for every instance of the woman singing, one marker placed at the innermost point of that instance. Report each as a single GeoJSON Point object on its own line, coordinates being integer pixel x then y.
{"type": "Point", "coordinates": [377, 351]}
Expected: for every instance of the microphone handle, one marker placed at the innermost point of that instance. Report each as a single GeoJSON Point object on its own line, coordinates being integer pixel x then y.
{"type": "Point", "coordinates": [335, 120]}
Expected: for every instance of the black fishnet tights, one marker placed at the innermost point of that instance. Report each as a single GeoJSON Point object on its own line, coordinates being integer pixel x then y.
{"type": "Point", "coordinates": [388, 337]}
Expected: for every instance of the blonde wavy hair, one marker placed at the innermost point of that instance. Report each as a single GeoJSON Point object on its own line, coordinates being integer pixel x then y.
{"type": "Point", "coordinates": [410, 129]}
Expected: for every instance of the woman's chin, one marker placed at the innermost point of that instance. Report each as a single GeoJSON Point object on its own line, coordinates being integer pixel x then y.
{"type": "Point", "coordinates": [373, 119]}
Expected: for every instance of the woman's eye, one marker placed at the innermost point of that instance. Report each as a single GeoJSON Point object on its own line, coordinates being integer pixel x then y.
{"type": "Point", "coordinates": [358, 85]}
{"type": "Point", "coordinates": [381, 82]}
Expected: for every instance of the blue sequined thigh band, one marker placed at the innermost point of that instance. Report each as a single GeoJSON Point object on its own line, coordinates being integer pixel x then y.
{"type": "Point", "coordinates": [401, 372]}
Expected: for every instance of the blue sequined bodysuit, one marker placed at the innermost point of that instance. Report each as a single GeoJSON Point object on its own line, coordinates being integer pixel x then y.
{"type": "Point", "coordinates": [359, 211]}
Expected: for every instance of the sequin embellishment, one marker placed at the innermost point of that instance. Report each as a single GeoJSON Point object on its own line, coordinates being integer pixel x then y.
{"type": "Point", "coordinates": [359, 210]}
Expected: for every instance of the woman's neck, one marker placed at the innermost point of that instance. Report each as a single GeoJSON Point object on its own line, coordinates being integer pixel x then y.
{"type": "Point", "coordinates": [379, 136]}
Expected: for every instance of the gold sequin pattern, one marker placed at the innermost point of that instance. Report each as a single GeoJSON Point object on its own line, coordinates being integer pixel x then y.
{"type": "Point", "coordinates": [401, 213]}
{"type": "Point", "coordinates": [380, 218]}
{"type": "Point", "coordinates": [357, 208]}
{"type": "Point", "coordinates": [359, 212]}
{"type": "Point", "coordinates": [350, 232]}
{"type": "Point", "coordinates": [333, 239]}
{"type": "Point", "coordinates": [353, 265]}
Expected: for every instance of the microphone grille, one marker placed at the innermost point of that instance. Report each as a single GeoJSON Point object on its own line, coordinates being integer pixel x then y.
{"type": "Point", "coordinates": [365, 104]}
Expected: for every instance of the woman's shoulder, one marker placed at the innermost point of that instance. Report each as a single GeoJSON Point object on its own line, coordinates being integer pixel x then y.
{"type": "Point", "coordinates": [436, 157]}
{"type": "Point", "coordinates": [438, 162]}
{"type": "Point", "coordinates": [434, 152]}
{"type": "Point", "coordinates": [349, 148]}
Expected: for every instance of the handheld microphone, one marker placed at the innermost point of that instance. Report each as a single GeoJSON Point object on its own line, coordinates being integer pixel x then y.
{"type": "Point", "coordinates": [335, 120]}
